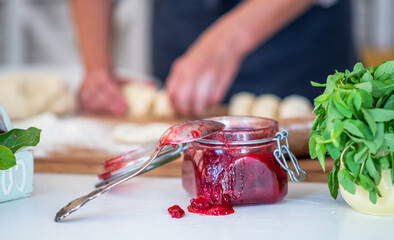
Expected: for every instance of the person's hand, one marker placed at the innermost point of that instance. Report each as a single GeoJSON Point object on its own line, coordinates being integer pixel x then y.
{"type": "Point", "coordinates": [202, 76]}
{"type": "Point", "coordinates": [100, 93]}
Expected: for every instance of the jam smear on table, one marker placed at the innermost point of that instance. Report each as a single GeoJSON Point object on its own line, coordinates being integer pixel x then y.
{"type": "Point", "coordinates": [176, 211]}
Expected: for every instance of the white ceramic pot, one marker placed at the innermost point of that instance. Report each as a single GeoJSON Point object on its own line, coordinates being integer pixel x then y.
{"type": "Point", "coordinates": [360, 200]}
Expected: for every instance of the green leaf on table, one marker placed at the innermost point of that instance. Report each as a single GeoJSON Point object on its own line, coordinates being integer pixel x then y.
{"type": "Point", "coordinates": [382, 115]}
{"type": "Point", "coordinates": [342, 106]}
{"type": "Point", "coordinates": [358, 128]}
{"type": "Point", "coordinates": [16, 139]}
{"type": "Point", "coordinates": [7, 158]}
{"type": "Point", "coordinates": [346, 180]}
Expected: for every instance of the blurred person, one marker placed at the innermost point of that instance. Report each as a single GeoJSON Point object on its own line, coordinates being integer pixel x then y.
{"type": "Point", "coordinates": [208, 50]}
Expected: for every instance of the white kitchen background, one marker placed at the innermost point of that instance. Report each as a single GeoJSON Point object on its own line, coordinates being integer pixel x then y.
{"type": "Point", "coordinates": [39, 32]}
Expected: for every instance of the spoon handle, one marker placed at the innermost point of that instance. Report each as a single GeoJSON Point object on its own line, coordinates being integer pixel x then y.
{"type": "Point", "coordinates": [79, 202]}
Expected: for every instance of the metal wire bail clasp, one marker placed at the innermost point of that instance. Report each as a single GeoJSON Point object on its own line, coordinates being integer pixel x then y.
{"type": "Point", "coordinates": [280, 157]}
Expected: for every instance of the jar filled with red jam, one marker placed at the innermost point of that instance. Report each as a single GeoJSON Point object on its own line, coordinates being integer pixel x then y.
{"type": "Point", "coordinates": [238, 165]}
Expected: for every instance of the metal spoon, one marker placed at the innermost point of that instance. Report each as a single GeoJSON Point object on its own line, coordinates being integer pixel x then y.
{"type": "Point", "coordinates": [181, 133]}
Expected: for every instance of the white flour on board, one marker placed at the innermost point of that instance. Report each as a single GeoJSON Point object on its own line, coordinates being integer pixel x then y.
{"type": "Point", "coordinates": [81, 132]}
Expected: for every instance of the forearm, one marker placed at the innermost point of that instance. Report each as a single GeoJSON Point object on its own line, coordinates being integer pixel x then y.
{"type": "Point", "coordinates": [255, 21]}
{"type": "Point", "coordinates": [92, 20]}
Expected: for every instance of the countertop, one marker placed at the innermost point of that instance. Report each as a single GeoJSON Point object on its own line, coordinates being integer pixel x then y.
{"type": "Point", "coordinates": [138, 210]}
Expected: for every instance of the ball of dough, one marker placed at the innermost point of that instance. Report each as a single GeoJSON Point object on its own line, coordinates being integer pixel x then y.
{"type": "Point", "coordinates": [25, 94]}
{"type": "Point", "coordinates": [295, 106]}
{"type": "Point", "coordinates": [241, 104]}
{"type": "Point", "coordinates": [266, 105]}
{"type": "Point", "coordinates": [139, 97]}
{"type": "Point", "coordinates": [162, 106]}
{"type": "Point", "coordinates": [133, 133]}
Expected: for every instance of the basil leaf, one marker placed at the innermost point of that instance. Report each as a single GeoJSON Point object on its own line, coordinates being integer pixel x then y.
{"type": "Point", "coordinates": [361, 155]}
{"type": "Point", "coordinates": [315, 84]}
{"type": "Point", "coordinates": [312, 147]}
{"type": "Point", "coordinates": [378, 88]}
{"type": "Point", "coordinates": [389, 103]}
{"type": "Point", "coordinates": [370, 166]}
{"type": "Point", "coordinates": [371, 146]}
{"type": "Point", "coordinates": [372, 197]}
{"type": "Point", "coordinates": [366, 86]}
{"type": "Point", "coordinates": [379, 135]}
{"type": "Point", "coordinates": [370, 120]}
{"type": "Point", "coordinates": [367, 183]}
{"type": "Point", "coordinates": [367, 77]}
{"type": "Point", "coordinates": [382, 115]}
{"type": "Point", "coordinates": [387, 67]}
{"type": "Point", "coordinates": [359, 69]}
{"type": "Point", "coordinates": [7, 158]}
{"type": "Point", "coordinates": [384, 162]}
{"type": "Point", "coordinates": [358, 128]}
{"type": "Point", "coordinates": [16, 139]}
{"type": "Point", "coordinates": [388, 142]}
{"type": "Point", "coordinates": [352, 166]}
{"type": "Point", "coordinates": [321, 153]}
{"type": "Point", "coordinates": [346, 180]}
{"type": "Point", "coordinates": [341, 105]}
{"type": "Point", "coordinates": [338, 128]}
{"type": "Point", "coordinates": [333, 151]}
{"type": "Point", "coordinates": [357, 100]}
{"type": "Point", "coordinates": [332, 180]}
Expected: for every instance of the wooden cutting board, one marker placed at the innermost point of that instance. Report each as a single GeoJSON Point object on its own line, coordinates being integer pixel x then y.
{"type": "Point", "coordinates": [72, 159]}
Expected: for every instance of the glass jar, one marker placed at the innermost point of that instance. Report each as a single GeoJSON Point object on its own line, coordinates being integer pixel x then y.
{"type": "Point", "coordinates": [239, 162]}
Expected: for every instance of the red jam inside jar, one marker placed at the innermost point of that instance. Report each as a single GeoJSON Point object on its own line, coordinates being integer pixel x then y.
{"type": "Point", "coordinates": [229, 168]}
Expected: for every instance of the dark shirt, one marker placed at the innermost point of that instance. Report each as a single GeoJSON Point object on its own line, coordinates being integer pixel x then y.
{"type": "Point", "coordinates": [310, 48]}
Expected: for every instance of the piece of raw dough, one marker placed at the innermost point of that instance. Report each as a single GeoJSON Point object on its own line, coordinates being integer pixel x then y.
{"type": "Point", "coordinates": [295, 106]}
{"type": "Point", "coordinates": [162, 106]}
{"type": "Point", "coordinates": [266, 105]}
{"type": "Point", "coordinates": [241, 104]}
{"type": "Point", "coordinates": [133, 133]}
{"type": "Point", "coordinates": [25, 94]}
{"type": "Point", "coordinates": [139, 97]}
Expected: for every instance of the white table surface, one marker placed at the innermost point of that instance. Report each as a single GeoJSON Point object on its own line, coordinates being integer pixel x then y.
{"type": "Point", "coordinates": [138, 210]}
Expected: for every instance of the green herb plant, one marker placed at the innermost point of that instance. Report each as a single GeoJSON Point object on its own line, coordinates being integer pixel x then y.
{"type": "Point", "coordinates": [12, 141]}
{"type": "Point", "coordinates": [354, 125]}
